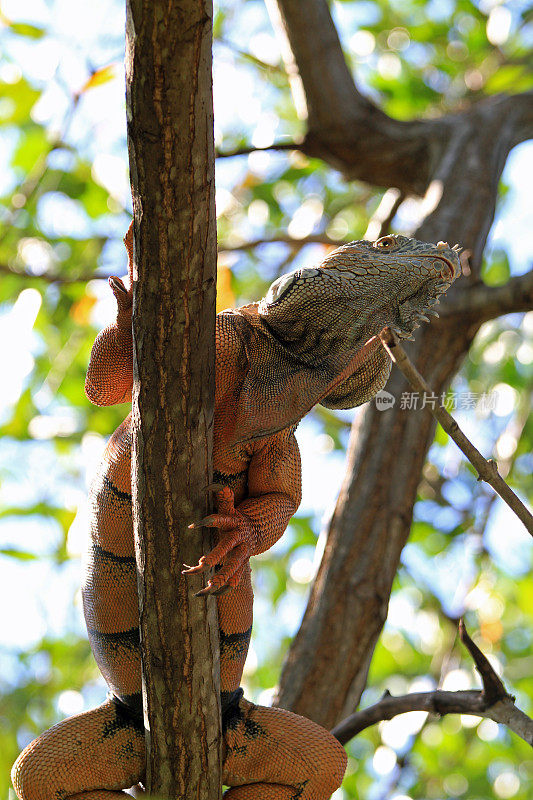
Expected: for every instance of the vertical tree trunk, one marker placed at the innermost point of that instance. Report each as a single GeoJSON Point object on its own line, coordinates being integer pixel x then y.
{"type": "Point", "coordinates": [456, 161]}
{"type": "Point", "coordinates": [170, 138]}
{"type": "Point", "coordinates": [349, 599]}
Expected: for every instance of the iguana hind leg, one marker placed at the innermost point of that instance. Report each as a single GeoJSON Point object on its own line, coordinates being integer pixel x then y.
{"type": "Point", "coordinates": [272, 754]}
{"type": "Point", "coordinates": [90, 756]}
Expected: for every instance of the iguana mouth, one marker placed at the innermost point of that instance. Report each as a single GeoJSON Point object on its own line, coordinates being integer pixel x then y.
{"type": "Point", "coordinates": [453, 268]}
{"type": "Point", "coordinates": [414, 310]}
{"type": "Point", "coordinates": [452, 271]}
{"type": "Point", "coordinates": [455, 265]}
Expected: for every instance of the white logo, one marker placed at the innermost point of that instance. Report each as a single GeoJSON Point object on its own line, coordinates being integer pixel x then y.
{"type": "Point", "coordinates": [384, 400]}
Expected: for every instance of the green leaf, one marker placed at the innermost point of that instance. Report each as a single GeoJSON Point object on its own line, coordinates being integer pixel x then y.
{"type": "Point", "coordinates": [32, 145]}
{"type": "Point", "coordinates": [20, 555]}
{"type": "Point", "coordinates": [496, 270]}
{"type": "Point", "coordinates": [510, 78]}
{"type": "Point", "coordinates": [25, 29]}
{"type": "Point", "coordinates": [16, 101]}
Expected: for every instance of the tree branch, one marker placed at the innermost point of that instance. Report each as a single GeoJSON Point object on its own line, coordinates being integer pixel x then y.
{"type": "Point", "coordinates": [492, 702]}
{"type": "Point", "coordinates": [345, 128]}
{"type": "Point", "coordinates": [482, 302]}
{"type": "Point", "coordinates": [518, 109]}
{"type": "Point", "coordinates": [439, 702]}
{"type": "Point", "coordinates": [352, 134]}
{"type": "Point", "coordinates": [247, 149]}
{"type": "Point", "coordinates": [487, 470]}
{"type": "Point", "coordinates": [493, 688]}
{"type": "Point", "coordinates": [313, 56]}
{"type": "Point", "coordinates": [314, 238]}
{"type": "Point", "coordinates": [50, 277]}
{"type": "Point", "coordinates": [169, 109]}
{"type": "Point", "coordinates": [84, 277]}
{"type": "Point", "coordinates": [381, 220]}
{"type": "Point", "coordinates": [456, 162]}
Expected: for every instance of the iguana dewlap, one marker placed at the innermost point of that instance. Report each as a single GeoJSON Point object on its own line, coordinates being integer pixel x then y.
{"type": "Point", "coordinates": [308, 340]}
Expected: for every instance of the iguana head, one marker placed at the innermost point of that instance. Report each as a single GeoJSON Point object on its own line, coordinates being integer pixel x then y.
{"type": "Point", "coordinates": [311, 328]}
{"type": "Point", "coordinates": [321, 313]}
{"type": "Point", "coordinates": [321, 316]}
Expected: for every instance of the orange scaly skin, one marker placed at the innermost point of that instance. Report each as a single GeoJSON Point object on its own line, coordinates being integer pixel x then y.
{"type": "Point", "coordinates": [309, 340]}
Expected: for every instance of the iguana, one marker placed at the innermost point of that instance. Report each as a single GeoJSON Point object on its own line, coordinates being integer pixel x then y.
{"type": "Point", "coordinates": [311, 339]}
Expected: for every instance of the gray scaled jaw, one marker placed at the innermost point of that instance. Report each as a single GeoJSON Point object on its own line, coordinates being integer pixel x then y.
{"type": "Point", "coordinates": [417, 309]}
{"type": "Point", "coordinates": [412, 312]}
{"type": "Point", "coordinates": [411, 315]}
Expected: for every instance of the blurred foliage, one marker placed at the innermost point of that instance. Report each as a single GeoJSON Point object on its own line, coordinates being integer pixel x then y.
{"type": "Point", "coordinates": [64, 207]}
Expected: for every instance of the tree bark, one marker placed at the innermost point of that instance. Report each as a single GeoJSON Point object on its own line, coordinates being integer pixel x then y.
{"type": "Point", "coordinates": [457, 161]}
{"type": "Point", "coordinates": [345, 128]}
{"type": "Point", "coordinates": [170, 138]}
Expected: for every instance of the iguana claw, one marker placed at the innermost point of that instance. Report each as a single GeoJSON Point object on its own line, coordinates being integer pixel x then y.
{"type": "Point", "coordinates": [220, 584]}
{"type": "Point", "coordinates": [233, 549]}
{"type": "Point", "coordinates": [123, 296]}
{"type": "Point", "coordinates": [216, 593]}
{"type": "Point", "coordinates": [117, 284]}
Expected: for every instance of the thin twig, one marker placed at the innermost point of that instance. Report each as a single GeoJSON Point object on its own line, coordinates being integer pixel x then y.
{"type": "Point", "coordinates": [482, 302]}
{"type": "Point", "coordinates": [493, 688]}
{"type": "Point", "coordinates": [515, 429]}
{"type": "Point", "coordinates": [381, 220]}
{"type": "Point", "coordinates": [50, 277]}
{"type": "Point", "coordinates": [278, 68]}
{"type": "Point", "coordinates": [487, 470]}
{"type": "Point", "coordinates": [493, 702]}
{"type": "Point", "coordinates": [247, 149]}
{"type": "Point", "coordinates": [283, 238]}
{"type": "Point", "coordinates": [319, 238]}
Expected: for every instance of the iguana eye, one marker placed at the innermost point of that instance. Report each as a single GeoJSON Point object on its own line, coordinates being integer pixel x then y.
{"type": "Point", "coordinates": [386, 243]}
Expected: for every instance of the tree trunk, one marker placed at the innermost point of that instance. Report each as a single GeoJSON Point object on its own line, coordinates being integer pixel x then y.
{"type": "Point", "coordinates": [459, 160]}
{"type": "Point", "coordinates": [170, 138]}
